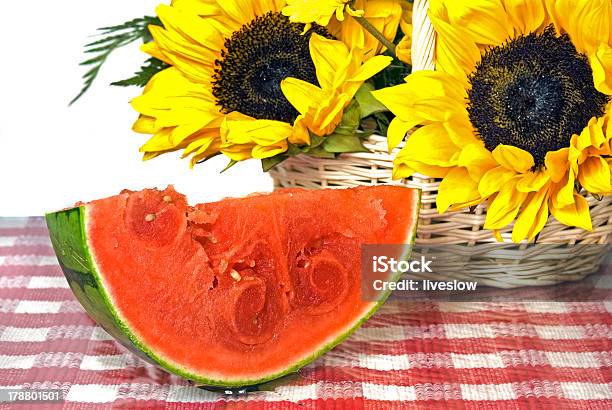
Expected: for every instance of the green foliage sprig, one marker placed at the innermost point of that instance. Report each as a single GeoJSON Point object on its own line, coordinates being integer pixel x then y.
{"type": "Point", "coordinates": [151, 67]}
{"type": "Point", "coordinates": [113, 38]}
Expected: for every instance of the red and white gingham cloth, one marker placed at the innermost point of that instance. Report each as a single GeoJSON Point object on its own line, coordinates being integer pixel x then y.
{"type": "Point", "coordinates": [409, 355]}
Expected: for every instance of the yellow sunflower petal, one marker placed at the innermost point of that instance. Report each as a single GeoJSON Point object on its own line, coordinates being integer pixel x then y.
{"type": "Point", "coordinates": [493, 180]}
{"type": "Point", "coordinates": [397, 100]}
{"type": "Point", "coordinates": [238, 152]}
{"type": "Point", "coordinates": [420, 86]}
{"type": "Point", "coordinates": [172, 99]}
{"type": "Point", "coordinates": [504, 208]}
{"type": "Point", "coordinates": [477, 160]}
{"type": "Point", "coordinates": [239, 10]}
{"type": "Point", "coordinates": [403, 50]}
{"type": "Point", "coordinates": [259, 132]}
{"type": "Point", "coordinates": [526, 15]}
{"type": "Point", "coordinates": [533, 216]}
{"type": "Point", "coordinates": [575, 214]}
{"type": "Point", "coordinates": [456, 188]}
{"type": "Point", "coordinates": [563, 193]}
{"type": "Point", "coordinates": [300, 134]}
{"type": "Point", "coordinates": [145, 125]}
{"type": "Point", "coordinates": [404, 166]}
{"type": "Point", "coordinates": [402, 170]}
{"type": "Point", "coordinates": [428, 97]}
{"type": "Point", "coordinates": [591, 136]}
{"type": "Point", "coordinates": [397, 132]}
{"type": "Point", "coordinates": [150, 155]}
{"type": "Point", "coordinates": [261, 151]}
{"type": "Point", "coordinates": [184, 34]}
{"type": "Point", "coordinates": [152, 49]}
{"type": "Point", "coordinates": [533, 181]}
{"type": "Point", "coordinates": [432, 162]}
{"type": "Point", "coordinates": [557, 164]}
{"type": "Point", "coordinates": [460, 130]}
{"type": "Point", "coordinates": [513, 158]}
{"type": "Point", "coordinates": [324, 119]}
{"type": "Point", "coordinates": [432, 145]}
{"type": "Point", "coordinates": [201, 145]}
{"type": "Point", "coordinates": [160, 141]}
{"type": "Point", "coordinates": [601, 63]}
{"type": "Point", "coordinates": [205, 151]}
{"type": "Point", "coordinates": [498, 236]}
{"type": "Point", "coordinates": [301, 94]}
{"type": "Point", "coordinates": [371, 67]}
{"type": "Point", "coordinates": [486, 21]}
{"type": "Point", "coordinates": [595, 176]}
{"type": "Point", "coordinates": [456, 55]}
{"type": "Point", "coordinates": [182, 132]}
{"type": "Point", "coordinates": [586, 21]}
{"type": "Point", "coordinates": [330, 58]}
{"type": "Point", "coordinates": [597, 16]}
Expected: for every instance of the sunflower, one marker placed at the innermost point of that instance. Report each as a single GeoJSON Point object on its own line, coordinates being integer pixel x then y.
{"type": "Point", "coordinates": [517, 113]}
{"type": "Point", "coordinates": [381, 16]}
{"type": "Point", "coordinates": [222, 93]}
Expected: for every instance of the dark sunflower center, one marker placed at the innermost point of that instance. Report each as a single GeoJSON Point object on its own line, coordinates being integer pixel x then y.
{"type": "Point", "coordinates": [534, 92]}
{"type": "Point", "coordinates": [255, 61]}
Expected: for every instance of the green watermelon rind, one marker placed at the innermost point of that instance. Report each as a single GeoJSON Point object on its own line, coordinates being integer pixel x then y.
{"type": "Point", "coordinates": [68, 234]}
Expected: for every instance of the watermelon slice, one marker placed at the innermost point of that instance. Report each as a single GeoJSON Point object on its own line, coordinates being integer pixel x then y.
{"type": "Point", "coordinates": [232, 293]}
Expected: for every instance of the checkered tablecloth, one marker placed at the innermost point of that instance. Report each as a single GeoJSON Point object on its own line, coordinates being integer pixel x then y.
{"type": "Point", "coordinates": [409, 355]}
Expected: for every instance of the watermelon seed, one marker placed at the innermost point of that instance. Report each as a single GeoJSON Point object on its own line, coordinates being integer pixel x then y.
{"type": "Point", "coordinates": [167, 198]}
{"type": "Point", "coordinates": [150, 217]}
{"type": "Point", "coordinates": [235, 275]}
{"type": "Point", "coordinates": [252, 264]}
{"type": "Point", "coordinates": [215, 283]}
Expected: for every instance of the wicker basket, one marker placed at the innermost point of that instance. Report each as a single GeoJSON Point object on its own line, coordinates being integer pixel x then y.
{"type": "Point", "coordinates": [469, 251]}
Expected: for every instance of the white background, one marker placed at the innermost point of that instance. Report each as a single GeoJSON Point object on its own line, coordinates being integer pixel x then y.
{"type": "Point", "coordinates": [52, 155]}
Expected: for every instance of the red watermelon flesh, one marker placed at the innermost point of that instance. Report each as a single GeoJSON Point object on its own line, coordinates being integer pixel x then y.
{"type": "Point", "coordinates": [234, 292]}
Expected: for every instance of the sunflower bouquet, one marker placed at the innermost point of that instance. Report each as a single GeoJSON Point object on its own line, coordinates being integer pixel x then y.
{"type": "Point", "coordinates": [515, 115]}
{"type": "Point", "coordinates": [264, 79]}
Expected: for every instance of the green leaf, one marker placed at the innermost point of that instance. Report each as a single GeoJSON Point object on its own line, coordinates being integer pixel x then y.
{"type": "Point", "coordinates": [113, 38]}
{"type": "Point", "coordinates": [351, 116]}
{"type": "Point", "coordinates": [319, 152]}
{"type": "Point", "coordinates": [368, 105]}
{"type": "Point", "coordinates": [383, 121]}
{"type": "Point", "coordinates": [315, 140]}
{"type": "Point", "coordinates": [230, 164]}
{"type": "Point", "coordinates": [269, 163]}
{"type": "Point", "coordinates": [293, 150]}
{"type": "Point", "coordinates": [151, 67]}
{"type": "Point", "coordinates": [349, 122]}
{"type": "Point", "coordinates": [343, 143]}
